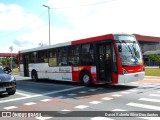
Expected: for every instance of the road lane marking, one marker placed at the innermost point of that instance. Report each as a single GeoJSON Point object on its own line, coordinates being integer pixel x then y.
{"type": "Point", "coordinates": [92, 90]}
{"type": "Point", "coordinates": [125, 92]}
{"type": "Point", "coordinates": [156, 95]}
{"type": "Point", "coordinates": [116, 95]}
{"type": "Point", "coordinates": [101, 118]}
{"type": "Point", "coordinates": [15, 99]}
{"type": "Point", "coordinates": [149, 118]}
{"type": "Point", "coordinates": [39, 95]}
{"type": "Point", "coordinates": [95, 102]}
{"type": "Point", "coordinates": [10, 107]}
{"type": "Point", "coordinates": [133, 90]}
{"type": "Point", "coordinates": [72, 94]}
{"type": "Point", "coordinates": [118, 110]}
{"type": "Point", "coordinates": [45, 100]}
{"type": "Point", "coordinates": [148, 99]}
{"type": "Point", "coordinates": [134, 83]}
{"type": "Point", "coordinates": [60, 97]}
{"type": "Point", "coordinates": [65, 110]}
{"type": "Point", "coordinates": [107, 98]}
{"type": "Point", "coordinates": [43, 118]}
{"type": "Point", "coordinates": [23, 94]}
{"type": "Point", "coordinates": [81, 106]}
{"type": "Point", "coordinates": [30, 103]}
{"type": "Point", "coordinates": [144, 106]}
{"type": "Point", "coordinates": [82, 92]}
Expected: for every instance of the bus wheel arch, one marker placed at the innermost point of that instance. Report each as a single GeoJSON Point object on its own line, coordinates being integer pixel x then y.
{"type": "Point", "coordinates": [85, 78]}
{"type": "Point", "coordinates": [34, 75]}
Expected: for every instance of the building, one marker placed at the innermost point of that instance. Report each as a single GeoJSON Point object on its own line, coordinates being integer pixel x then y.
{"type": "Point", "coordinates": [5, 55]}
{"type": "Point", "coordinates": [149, 45]}
{"type": "Point", "coordinates": [8, 54]}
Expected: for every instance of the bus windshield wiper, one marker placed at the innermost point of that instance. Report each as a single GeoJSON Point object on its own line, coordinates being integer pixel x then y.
{"type": "Point", "coordinates": [129, 48]}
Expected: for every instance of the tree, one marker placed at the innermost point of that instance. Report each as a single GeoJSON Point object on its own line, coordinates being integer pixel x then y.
{"type": "Point", "coordinates": [15, 62]}
{"type": "Point", "coordinates": [155, 57]}
{"type": "Point", "coordinates": [7, 61]}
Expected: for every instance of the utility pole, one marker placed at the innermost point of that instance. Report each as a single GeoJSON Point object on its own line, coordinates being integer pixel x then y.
{"type": "Point", "coordinates": [11, 49]}
{"type": "Point", "coordinates": [48, 22]}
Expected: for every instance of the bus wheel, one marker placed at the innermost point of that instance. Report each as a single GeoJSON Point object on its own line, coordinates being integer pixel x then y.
{"type": "Point", "coordinates": [86, 79]}
{"type": "Point", "coordinates": [34, 76]}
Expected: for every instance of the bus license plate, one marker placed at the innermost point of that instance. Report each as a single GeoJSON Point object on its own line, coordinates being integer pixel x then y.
{"type": "Point", "coordinates": [136, 75]}
{"type": "Point", "coordinates": [2, 89]}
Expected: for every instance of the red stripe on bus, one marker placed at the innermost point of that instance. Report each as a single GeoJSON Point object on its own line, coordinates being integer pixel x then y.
{"type": "Point", "coordinates": [93, 39]}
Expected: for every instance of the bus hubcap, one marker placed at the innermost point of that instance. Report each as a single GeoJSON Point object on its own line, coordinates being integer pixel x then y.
{"type": "Point", "coordinates": [85, 78]}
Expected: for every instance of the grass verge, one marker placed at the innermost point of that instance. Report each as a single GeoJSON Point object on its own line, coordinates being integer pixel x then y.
{"type": "Point", "coordinates": [15, 71]}
{"type": "Point", "coordinates": [152, 72]}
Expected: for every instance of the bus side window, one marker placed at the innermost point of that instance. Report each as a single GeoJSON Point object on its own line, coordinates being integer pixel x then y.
{"type": "Point", "coordinates": [73, 55]}
{"type": "Point", "coordinates": [52, 58]}
{"type": "Point", "coordinates": [33, 57]}
{"type": "Point", "coordinates": [62, 56]}
{"type": "Point", "coordinates": [87, 54]}
{"type": "Point", "coordinates": [42, 56]}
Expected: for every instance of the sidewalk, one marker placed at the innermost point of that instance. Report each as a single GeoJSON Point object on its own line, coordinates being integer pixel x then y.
{"type": "Point", "coordinates": [152, 67]}
{"type": "Point", "coordinates": [152, 77]}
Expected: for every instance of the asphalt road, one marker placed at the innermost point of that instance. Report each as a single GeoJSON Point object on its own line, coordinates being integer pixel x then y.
{"type": "Point", "coordinates": [91, 103]}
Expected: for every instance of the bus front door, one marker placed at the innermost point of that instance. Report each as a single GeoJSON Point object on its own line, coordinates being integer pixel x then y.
{"type": "Point", "coordinates": [25, 65]}
{"type": "Point", "coordinates": [105, 62]}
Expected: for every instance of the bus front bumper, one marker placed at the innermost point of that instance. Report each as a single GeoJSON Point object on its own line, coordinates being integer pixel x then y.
{"type": "Point", "coordinates": [131, 77]}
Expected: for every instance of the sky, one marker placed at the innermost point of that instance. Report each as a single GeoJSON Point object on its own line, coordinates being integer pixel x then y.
{"type": "Point", "coordinates": [24, 23]}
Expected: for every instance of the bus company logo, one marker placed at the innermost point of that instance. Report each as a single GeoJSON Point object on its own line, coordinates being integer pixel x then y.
{"type": "Point", "coordinates": [64, 69]}
{"type": "Point", "coordinates": [63, 78]}
{"type": "Point", "coordinates": [136, 75]}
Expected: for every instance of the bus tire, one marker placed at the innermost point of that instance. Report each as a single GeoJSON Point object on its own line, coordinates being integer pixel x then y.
{"type": "Point", "coordinates": [34, 76]}
{"type": "Point", "coordinates": [86, 79]}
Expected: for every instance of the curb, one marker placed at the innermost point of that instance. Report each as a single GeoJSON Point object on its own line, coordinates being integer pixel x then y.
{"type": "Point", "coordinates": [153, 77]}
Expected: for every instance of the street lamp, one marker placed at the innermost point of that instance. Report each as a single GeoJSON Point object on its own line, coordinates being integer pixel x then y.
{"type": "Point", "coordinates": [48, 21]}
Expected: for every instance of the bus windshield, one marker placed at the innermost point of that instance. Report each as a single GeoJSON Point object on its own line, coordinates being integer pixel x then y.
{"type": "Point", "coordinates": [129, 50]}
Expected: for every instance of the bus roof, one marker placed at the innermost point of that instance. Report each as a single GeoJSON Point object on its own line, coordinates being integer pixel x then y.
{"type": "Point", "coordinates": [46, 47]}
{"type": "Point", "coordinates": [75, 42]}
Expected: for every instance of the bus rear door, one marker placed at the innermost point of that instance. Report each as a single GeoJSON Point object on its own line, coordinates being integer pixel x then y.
{"type": "Point", "coordinates": [25, 65]}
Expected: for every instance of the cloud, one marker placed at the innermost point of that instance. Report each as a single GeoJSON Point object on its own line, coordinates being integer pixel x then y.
{"type": "Point", "coordinates": [13, 17]}
{"type": "Point", "coordinates": [19, 28]}
{"type": "Point", "coordinates": [23, 43]}
{"type": "Point", "coordinates": [112, 16]}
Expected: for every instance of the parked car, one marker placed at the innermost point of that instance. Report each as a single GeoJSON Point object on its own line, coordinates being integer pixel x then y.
{"type": "Point", "coordinates": [7, 69]}
{"type": "Point", "coordinates": [7, 83]}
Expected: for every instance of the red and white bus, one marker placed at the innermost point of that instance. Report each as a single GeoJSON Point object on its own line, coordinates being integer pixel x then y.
{"type": "Point", "coordinates": [111, 58]}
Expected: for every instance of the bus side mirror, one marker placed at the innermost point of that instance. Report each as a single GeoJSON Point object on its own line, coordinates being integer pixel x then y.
{"type": "Point", "coordinates": [119, 48]}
